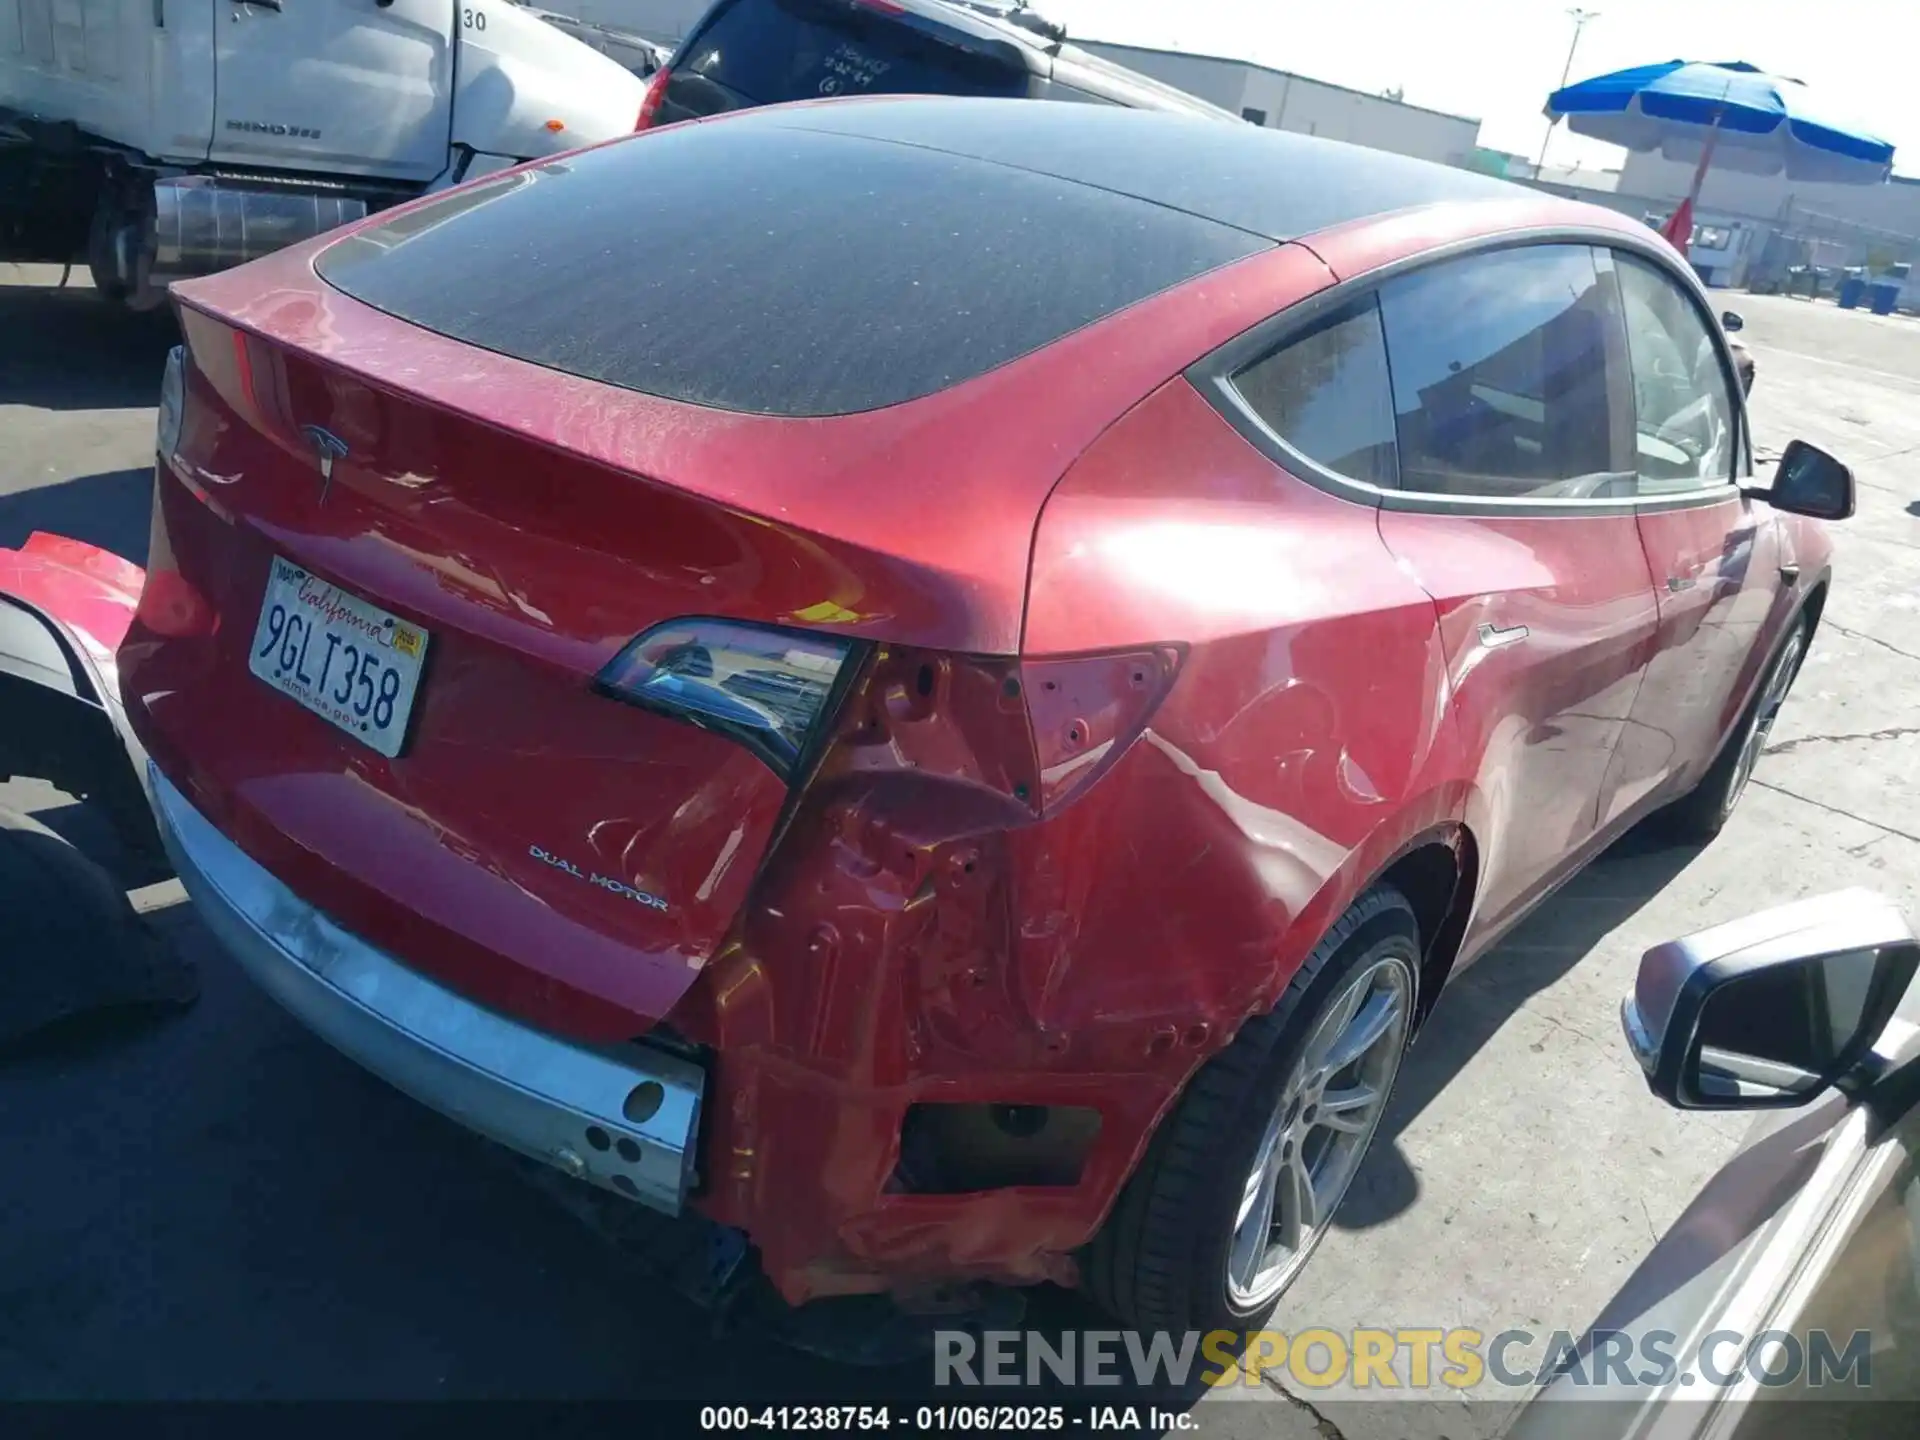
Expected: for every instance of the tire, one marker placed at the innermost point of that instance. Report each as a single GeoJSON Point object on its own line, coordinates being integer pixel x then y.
{"type": "Point", "coordinates": [109, 289]}
{"type": "Point", "coordinates": [1703, 811]}
{"type": "Point", "coordinates": [100, 257]}
{"type": "Point", "coordinates": [1162, 1261]}
{"type": "Point", "coordinates": [74, 944]}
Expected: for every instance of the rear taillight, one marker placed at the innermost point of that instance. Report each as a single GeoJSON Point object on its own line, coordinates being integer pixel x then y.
{"type": "Point", "coordinates": [1035, 732]}
{"type": "Point", "coordinates": [173, 403]}
{"type": "Point", "coordinates": [650, 102]}
{"type": "Point", "coordinates": [769, 689]}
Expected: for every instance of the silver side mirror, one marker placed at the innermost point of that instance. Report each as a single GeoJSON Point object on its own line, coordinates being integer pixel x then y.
{"type": "Point", "coordinates": [1771, 1010]}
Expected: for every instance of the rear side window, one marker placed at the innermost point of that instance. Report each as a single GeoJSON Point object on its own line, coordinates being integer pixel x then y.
{"type": "Point", "coordinates": [765, 52]}
{"type": "Point", "coordinates": [1509, 379]}
{"type": "Point", "coordinates": [1326, 394]}
{"type": "Point", "coordinates": [1683, 397]}
{"type": "Point", "coordinates": [751, 266]}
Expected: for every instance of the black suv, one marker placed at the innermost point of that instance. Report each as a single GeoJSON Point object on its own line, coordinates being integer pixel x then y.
{"type": "Point", "coordinates": [763, 52]}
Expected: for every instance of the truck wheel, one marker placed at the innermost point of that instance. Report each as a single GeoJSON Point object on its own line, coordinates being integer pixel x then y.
{"type": "Point", "coordinates": [100, 259]}
{"type": "Point", "coordinates": [1703, 811]}
{"type": "Point", "coordinates": [1243, 1176]}
{"type": "Point", "coordinates": [107, 286]}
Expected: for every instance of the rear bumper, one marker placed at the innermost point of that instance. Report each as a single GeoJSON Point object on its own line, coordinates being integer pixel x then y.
{"type": "Point", "coordinates": [626, 1118]}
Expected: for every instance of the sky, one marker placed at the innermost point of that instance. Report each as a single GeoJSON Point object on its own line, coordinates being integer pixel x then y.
{"type": "Point", "coordinates": [1497, 60]}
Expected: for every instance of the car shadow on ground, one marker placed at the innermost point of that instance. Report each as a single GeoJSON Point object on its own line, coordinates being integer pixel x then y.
{"type": "Point", "coordinates": [109, 510]}
{"type": "Point", "coordinates": [1479, 1002]}
{"type": "Point", "coordinates": [71, 350]}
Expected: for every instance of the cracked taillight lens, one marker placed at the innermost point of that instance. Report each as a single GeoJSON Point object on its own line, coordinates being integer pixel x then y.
{"type": "Point", "coordinates": [770, 689]}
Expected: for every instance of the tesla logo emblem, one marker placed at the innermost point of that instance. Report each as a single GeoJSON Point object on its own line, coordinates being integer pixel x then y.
{"type": "Point", "coordinates": [328, 447]}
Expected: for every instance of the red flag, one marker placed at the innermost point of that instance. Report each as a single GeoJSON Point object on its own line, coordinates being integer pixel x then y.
{"type": "Point", "coordinates": [1679, 226]}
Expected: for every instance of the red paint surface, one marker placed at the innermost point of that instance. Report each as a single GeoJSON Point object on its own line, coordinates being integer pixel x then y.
{"type": "Point", "coordinates": [1145, 715]}
{"type": "Point", "coordinates": [1726, 560]}
{"type": "Point", "coordinates": [1542, 717]}
{"type": "Point", "coordinates": [89, 590]}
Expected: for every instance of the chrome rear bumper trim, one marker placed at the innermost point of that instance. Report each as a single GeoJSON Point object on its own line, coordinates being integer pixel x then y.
{"type": "Point", "coordinates": [534, 1092]}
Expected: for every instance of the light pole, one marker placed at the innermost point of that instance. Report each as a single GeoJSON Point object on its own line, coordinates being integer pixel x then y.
{"type": "Point", "coordinates": [1580, 19]}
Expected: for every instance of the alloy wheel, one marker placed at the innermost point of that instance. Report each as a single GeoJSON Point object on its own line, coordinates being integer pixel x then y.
{"type": "Point", "coordinates": [1319, 1131]}
{"type": "Point", "coordinates": [1779, 681]}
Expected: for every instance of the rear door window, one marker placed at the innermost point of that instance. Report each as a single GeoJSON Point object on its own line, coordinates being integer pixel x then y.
{"type": "Point", "coordinates": [1509, 377]}
{"type": "Point", "coordinates": [1326, 394]}
{"type": "Point", "coordinates": [1683, 395]}
{"type": "Point", "coordinates": [765, 52]}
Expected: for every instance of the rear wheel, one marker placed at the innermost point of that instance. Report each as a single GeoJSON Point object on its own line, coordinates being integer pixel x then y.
{"type": "Point", "coordinates": [1243, 1177]}
{"type": "Point", "coordinates": [1704, 811]}
{"type": "Point", "coordinates": [100, 256]}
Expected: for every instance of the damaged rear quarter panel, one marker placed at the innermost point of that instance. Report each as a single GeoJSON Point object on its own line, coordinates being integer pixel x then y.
{"type": "Point", "coordinates": [1306, 743]}
{"type": "Point", "coordinates": [921, 934]}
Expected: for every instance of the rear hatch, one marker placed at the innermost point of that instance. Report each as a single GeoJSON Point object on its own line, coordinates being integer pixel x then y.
{"type": "Point", "coordinates": [492, 438]}
{"type": "Point", "coordinates": [452, 786]}
{"type": "Point", "coordinates": [767, 52]}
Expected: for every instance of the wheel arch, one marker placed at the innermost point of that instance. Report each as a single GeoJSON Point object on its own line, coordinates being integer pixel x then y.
{"type": "Point", "coordinates": [1437, 869]}
{"type": "Point", "coordinates": [1816, 601]}
{"type": "Point", "coordinates": [1438, 873]}
{"type": "Point", "coordinates": [1788, 609]}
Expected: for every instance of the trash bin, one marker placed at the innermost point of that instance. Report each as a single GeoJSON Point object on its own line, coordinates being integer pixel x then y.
{"type": "Point", "coordinates": [1884, 297]}
{"type": "Point", "coordinates": [1852, 292]}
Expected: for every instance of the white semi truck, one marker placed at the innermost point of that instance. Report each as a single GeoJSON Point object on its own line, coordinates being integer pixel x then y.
{"type": "Point", "coordinates": [154, 139]}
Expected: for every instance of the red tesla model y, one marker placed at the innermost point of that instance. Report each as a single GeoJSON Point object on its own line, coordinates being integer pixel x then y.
{"type": "Point", "coordinates": [944, 682]}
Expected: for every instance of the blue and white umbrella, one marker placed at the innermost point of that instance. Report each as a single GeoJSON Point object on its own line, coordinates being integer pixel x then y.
{"type": "Point", "coordinates": [1729, 114]}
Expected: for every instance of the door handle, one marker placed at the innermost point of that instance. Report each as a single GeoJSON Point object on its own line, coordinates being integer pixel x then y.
{"type": "Point", "coordinates": [1495, 636]}
{"type": "Point", "coordinates": [274, 5]}
{"type": "Point", "coordinates": [1677, 583]}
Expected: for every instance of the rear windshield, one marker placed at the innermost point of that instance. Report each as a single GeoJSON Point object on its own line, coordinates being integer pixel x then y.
{"type": "Point", "coordinates": [750, 266]}
{"type": "Point", "coordinates": [769, 51]}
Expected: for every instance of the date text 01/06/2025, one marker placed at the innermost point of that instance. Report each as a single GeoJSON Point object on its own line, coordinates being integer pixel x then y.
{"type": "Point", "coordinates": [938, 1419]}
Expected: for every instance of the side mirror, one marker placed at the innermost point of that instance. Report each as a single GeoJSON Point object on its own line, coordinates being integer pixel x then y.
{"type": "Point", "coordinates": [1730, 321]}
{"type": "Point", "coordinates": [1809, 481]}
{"type": "Point", "coordinates": [1770, 1011]}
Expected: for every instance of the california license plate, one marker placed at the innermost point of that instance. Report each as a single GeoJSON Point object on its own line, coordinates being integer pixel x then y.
{"type": "Point", "coordinates": [347, 661]}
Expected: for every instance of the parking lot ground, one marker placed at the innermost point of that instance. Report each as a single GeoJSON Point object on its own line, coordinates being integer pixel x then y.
{"type": "Point", "coordinates": [218, 1206]}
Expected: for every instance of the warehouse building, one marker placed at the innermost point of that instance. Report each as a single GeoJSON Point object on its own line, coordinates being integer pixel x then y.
{"type": "Point", "coordinates": [1892, 206]}
{"type": "Point", "coordinates": [1281, 100]}
{"type": "Point", "coordinates": [1891, 209]}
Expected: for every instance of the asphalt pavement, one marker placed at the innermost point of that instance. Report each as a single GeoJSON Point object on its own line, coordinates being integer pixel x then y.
{"type": "Point", "coordinates": [216, 1206]}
